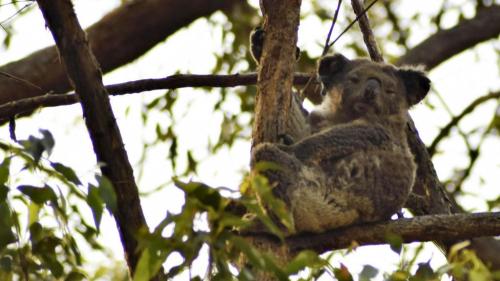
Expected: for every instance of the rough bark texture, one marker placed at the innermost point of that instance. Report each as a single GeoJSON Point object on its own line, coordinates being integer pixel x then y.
{"type": "Point", "coordinates": [423, 228]}
{"type": "Point", "coordinates": [84, 72]}
{"type": "Point", "coordinates": [447, 43]}
{"type": "Point", "coordinates": [275, 76]}
{"type": "Point", "coordinates": [113, 40]}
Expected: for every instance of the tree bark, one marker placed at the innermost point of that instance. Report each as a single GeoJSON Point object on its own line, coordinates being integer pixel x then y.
{"type": "Point", "coordinates": [423, 228]}
{"type": "Point", "coordinates": [84, 72]}
{"type": "Point", "coordinates": [118, 38]}
{"type": "Point", "coordinates": [275, 76]}
{"type": "Point", "coordinates": [447, 43]}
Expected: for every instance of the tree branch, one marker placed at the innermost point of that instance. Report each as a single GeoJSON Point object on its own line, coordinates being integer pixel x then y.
{"type": "Point", "coordinates": [423, 228]}
{"type": "Point", "coordinates": [275, 76]}
{"type": "Point", "coordinates": [364, 25]}
{"type": "Point", "coordinates": [445, 131]}
{"type": "Point", "coordinates": [84, 72]}
{"type": "Point", "coordinates": [177, 81]}
{"type": "Point", "coordinates": [151, 21]}
{"type": "Point", "coordinates": [447, 43]}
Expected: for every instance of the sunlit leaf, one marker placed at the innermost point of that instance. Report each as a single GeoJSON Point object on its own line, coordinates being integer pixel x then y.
{"type": "Point", "coordinates": [96, 204]}
{"type": "Point", "coordinates": [67, 172]}
{"type": "Point", "coordinates": [39, 195]}
{"type": "Point", "coordinates": [107, 193]}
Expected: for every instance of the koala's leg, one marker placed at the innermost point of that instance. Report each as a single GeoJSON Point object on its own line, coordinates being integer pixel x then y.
{"type": "Point", "coordinates": [287, 167]}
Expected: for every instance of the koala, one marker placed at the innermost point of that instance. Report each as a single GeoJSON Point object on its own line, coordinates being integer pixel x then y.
{"type": "Point", "coordinates": [355, 166]}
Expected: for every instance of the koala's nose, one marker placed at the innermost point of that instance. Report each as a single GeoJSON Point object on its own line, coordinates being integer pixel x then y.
{"type": "Point", "coordinates": [372, 88]}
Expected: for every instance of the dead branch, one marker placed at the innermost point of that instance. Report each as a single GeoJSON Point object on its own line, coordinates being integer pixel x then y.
{"type": "Point", "coordinates": [86, 76]}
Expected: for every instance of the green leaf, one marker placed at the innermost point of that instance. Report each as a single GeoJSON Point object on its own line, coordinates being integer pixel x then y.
{"type": "Point", "coordinates": [6, 263]}
{"type": "Point", "coordinates": [107, 193]}
{"type": "Point", "coordinates": [207, 196]}
{"type": "Point", "coordinates": [39, 195]}
{"type": "Point", "coordinates": [4, 190]}
{"type": "Point", "coordinates": [7, 236]}
{"type": "Point", "coordinates": [342, 273]}
{"type": "Point", "coordinates": [4, 170]}
{"type": "Point", "coordinates": [368, 273]}
{"type": "Point", "coordinates": [424, 273]}
{"type": "Point", "coordinates": [303, 260]}
{"type": "Point", "coordinates": [67, 172]}
{"type": "Point", "coordinates": [96, 204]}
{"type": "Point", "coordinates": [149, 264]}
{"type": "Point", "coordinates": [47, 140]}
{"type": "Point", "coordinates": [395, 242]}
{"type": "Point", "coordinates": [75, 276]}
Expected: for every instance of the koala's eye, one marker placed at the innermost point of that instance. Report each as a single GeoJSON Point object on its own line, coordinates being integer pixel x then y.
{"type": "Point", "coordinates": [391, 92]}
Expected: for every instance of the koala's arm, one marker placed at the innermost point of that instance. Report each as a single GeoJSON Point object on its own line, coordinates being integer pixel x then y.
{"type": "Point", "coordinates": [339, 141]}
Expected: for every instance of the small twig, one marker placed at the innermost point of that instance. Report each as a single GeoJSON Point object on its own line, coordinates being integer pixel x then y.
{"type": "Point", "coordinates": [17, 13]}
{"type": "Point", "coordinates": [445, 131]}
{"type": "Point", "coordinates": [364, 25]}
{"type": "Point", "coordinates": [24, 81]}
{"type": "Point", "coordinates": [353, 22]}
{"type": "Point", "coordinates": [334, 20]}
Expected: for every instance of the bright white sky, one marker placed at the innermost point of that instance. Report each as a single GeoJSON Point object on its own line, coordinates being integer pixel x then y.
{"type": "Point", "coordinates": [460, 80]}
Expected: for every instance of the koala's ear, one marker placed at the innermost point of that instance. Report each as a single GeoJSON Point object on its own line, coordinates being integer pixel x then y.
{"type": "Point", "coordinates": [416, 83]}
{"type": "Point", "coordinates": [331, 65]}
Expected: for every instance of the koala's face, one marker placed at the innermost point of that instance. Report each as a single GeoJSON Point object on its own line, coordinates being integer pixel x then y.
{"type": "Point", "coordinates": [361, 88]}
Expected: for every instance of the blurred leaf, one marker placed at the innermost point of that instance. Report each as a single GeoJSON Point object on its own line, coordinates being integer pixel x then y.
{"type": "Point", "coordinates": [35, 146]}
{"type": "Point", "coordinates": [76, 276]}
{"type": "Point", "coordinates": [107, 193]}
{"type": "Point", "coordinates": [425, 273]}
{"type": "Point", "coordinates": [149, 264]}
{"type": "Point", "coordinates": [4, 190]}
{"type": "Point", "coordinates": [395, 242]}
{"type": "Point", "coordinates": [342, 273]}
{"type": "Point", "coordinates": [67, 172]}
{"type": "Point", "coordinates": [96, 204]}
{"type": "Point", "coordinates": [368, 273]}
{"type": "Point", "coordinates": [7, 236]}
{"type": "Point", "coordinates": [39, 195]}
{"type": "Point", "coordinates": [4, 171]}
{"type": "Point", "coordinates": [302, 260]}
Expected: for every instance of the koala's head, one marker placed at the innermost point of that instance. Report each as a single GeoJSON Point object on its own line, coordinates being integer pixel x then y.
{"type": "Point", "coordinates": [361, 88]}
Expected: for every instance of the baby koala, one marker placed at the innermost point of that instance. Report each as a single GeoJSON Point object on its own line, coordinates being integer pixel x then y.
{"type": "Point", "coordinates": [356, 166]}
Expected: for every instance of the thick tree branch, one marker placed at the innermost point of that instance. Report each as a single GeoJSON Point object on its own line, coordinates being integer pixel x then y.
{"type": "Point", "coordinates": [447, 43]}
{"type": "Point", "coordinates": [423, 228]}
{"type": "Point", "coordinates": [275, 76]}
{"type": "Point", "coordinates": [26, 105]}
{"type": "Point", "coordinates": [84, 72]}
{"type": "Point", "coordinates": [151, 21]}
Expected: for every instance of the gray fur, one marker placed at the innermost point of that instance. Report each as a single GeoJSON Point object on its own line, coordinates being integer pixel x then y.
{"type": "Point", "coordinates": [357, 166]}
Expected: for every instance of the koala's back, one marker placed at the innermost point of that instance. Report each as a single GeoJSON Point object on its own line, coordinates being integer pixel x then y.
{"type": "Point", "coordinates": [366, 186]}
